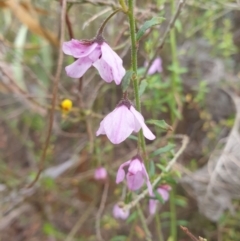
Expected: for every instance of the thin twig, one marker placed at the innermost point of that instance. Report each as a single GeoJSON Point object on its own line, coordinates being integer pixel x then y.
{"type": "Point", "coordinates": [54, 94]}
{"type": "Point", "coordinates": [80, 222]}
{"type": "Point", "coordinates": [144, 224]}
{"type": "Point", "coordinates": [133, 203]}
{"type": "Point", "coordinates": [162, 41]}
{"type": "Point", "coordinates": [100, 211]}
{"type": "Point", "coordinates": [189, 234]}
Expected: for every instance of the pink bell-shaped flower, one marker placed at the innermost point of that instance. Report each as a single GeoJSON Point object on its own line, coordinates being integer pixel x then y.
{"type": "Point", "coordinates": [95, 53]}
{"type": "Point", "coordinates": [119, 213]}
{"type": "Point", "coordinates": [100, 173]}
{"type": "Point", "coordinates": [121, 122]}
{"type": "Point", "coordinates": [163, 191]}
{"type": "Point", "coordinates": [156, 66]}
{"type": "Point", "coordinates": [136, 174]}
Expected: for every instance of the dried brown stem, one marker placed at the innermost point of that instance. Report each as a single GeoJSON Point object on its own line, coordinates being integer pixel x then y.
{"type": "Point", "coordinates": [54, 94]}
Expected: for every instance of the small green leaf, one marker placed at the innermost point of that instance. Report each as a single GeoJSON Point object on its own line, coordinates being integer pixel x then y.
{"type": "Point", "coordinates": [161, 124]}
{"type": "Point", "coordinates": [148, 24]}
{"type": "Point", "coordinates": [142, 87]}
{"type": "Point", "coordinates": [161, 167]}
{"type": "Point", "coordinates": [164, 149]}
{"type": "Point", "coordinates": [132, 217]}
{"type": "Point", "coordinates": [126, 80]}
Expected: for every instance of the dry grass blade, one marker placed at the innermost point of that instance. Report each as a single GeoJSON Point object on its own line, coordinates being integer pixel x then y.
{"type": "Point", "coordinates": [28, 18]}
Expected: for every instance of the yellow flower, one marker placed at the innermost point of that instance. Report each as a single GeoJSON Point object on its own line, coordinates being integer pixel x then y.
{"type": "Point", "coordinates": [66, 105]}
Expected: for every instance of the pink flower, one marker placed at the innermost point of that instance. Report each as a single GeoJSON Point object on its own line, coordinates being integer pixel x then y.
{"type": "Point", "coordinates": [100, 173]}
{"type": "Point", "coordinates": [136, 174]}
{"type": "Point", "coordinates": [118, 212]}
{"type": "Point", "coordinates": [97, 53]}
{"type": "Point", "coordinates": [163, 191]}
{"type": "Point", "coordinates": [155, 67]}
{"type": "Point", "coordinates": [120, 123]}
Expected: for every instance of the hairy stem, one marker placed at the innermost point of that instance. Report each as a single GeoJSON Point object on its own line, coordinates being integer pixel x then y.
{"type": "Point", "coordinates": [141, 140]}
{"type": "Point", "coordinates": [173, 215]}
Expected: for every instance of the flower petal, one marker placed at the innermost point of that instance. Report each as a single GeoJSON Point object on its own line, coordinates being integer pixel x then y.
{"type": "Point", "coordinates": [101, 130]}
{"type": "Point", "coordinates": [152, 206]}
{"type": "Point", "coordinates": [104, 70]}
{"type": "Point", "coordinates": [164, 193]}
{"type": "Point", "coordinates": [135, 181]}
{"type": "Point", "coordinates": [135, 166]}
{"type": "Point", "coordinates": [119, 212]}
{"type": "Point", "coordinates": [121, 172]}
{"type": "Point", "coordinates": [149, 185]}
{"type": "Point", "coordinates": [119, 124]}
{"type": "Point", "coordinates": [156, 66]}
{"type": "Point", "coordinates": [78, 68]}
{"type": "Point", "coordinates": [114, 62]}
{"type": "Point", "coordinates": [78, 49]}
{"type": "Point", "coordinates": [139, 118]}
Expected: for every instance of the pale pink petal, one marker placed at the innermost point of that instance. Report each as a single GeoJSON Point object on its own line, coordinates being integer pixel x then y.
{"type": "Point", "coordinates": [135, 181]}
{"type": "Point", "coordinates": [78, 49]}
{"type": "Point", "coordinates": [156, 66]}
{"type": "Point", "coordinates": [119, 212]}
{"type": "Point", "coordinates": [104, 70]}
{"type": "Point", "coordinates": [95, 54]}
{"type": "Point", "coordinates": [78, 68]}
{"type": "Point", "coordinates": [100, 173]}
{"type": "Point", "coordinates": [121, 172]}
{"type": "Point", "coordinates": [164, 193]}
{"type": "Point", "coordinates": [114, 62]}
{"type": "Point", "coordinates": [146, 131]}
{"type": "Point", "coordinates": [119, 124]}
{"type": "Point", "coordinates": [152, 206]}
{"type": "Point", "coordinates": [135, 166]}
{"type": "Point", "coordinates": [101, 130]}
{"type": "Point", "coordinates": [149, 185]}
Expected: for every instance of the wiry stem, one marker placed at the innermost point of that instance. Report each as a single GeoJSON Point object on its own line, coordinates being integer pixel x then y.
{"type": "Point", "coordinates": [141, 140]}
{"type": "Point", "coordinates": [100, 30]}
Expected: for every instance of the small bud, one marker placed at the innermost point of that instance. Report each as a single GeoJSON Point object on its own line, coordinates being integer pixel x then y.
{"type": "Point", "coordinates": [66, 105]}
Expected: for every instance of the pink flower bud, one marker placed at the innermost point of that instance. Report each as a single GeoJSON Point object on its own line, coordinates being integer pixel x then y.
{"type": "Point", "coordinates": [100, 173]}
{"type": "Point", "coordinates": [120, 123]}
{"type": "Point", "coordinates": [156, 66]}
{"type": "Point", "coordinates": [95, 53]}
{"type": "Point", "coordinates": [119, 213]}
{"type": "Point", "coordinates": [163, 190]}
{"type": "Point", "coordinates": [136, 174]}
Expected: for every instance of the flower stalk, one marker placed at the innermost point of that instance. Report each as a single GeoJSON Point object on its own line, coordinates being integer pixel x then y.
{"type": "Point", "coordinates": [141, 140]}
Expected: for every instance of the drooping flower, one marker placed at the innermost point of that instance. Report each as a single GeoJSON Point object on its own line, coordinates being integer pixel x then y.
{"type": "Point", "coordinates": [136, 174]}
{"type": "Point", "coordinates": [95, 53]}
{"type": "Point", "coordinates": [120, 123]}
{"type": "Point", "coordinates": [163, 191]}
{"type": "Point", "coordinates": [119, 213]}
{"type": "Point", "coordinates": [156, 66]}
{"type": "Point", "coordinates": [100, 173]}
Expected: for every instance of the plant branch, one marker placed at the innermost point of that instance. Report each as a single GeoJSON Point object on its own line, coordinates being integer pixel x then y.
{"type": "Point", "coordinates": [141, 140]}
{"type": "Point", "coordinates": [132, 204]}
{"type": "Point", "coordinates": [169, 27]}
{"type": "Point", "coordinates": [54, 94]}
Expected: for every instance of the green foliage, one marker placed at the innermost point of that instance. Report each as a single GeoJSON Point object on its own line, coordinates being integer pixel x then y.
{"type": "Point", "coordinates": [148, 24]}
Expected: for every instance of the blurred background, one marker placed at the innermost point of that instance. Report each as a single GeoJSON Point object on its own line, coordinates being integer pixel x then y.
{"type": "Point", "coordinates": [196, 91]}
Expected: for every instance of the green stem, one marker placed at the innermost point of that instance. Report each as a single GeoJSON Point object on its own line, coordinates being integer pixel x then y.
{"type": "Point", "coordinates": [144, 224]}
{"type": "Point", "coordinates": [175, 65]}
{"type": "Point", "coordinates": [173, 215]}
{"type": "Point", "coordinates": [159, 227]}
{"type": "Point", "coordinates": [100, 31]}
{"type": "Point", "coordinates": [141, 140]}
{"type": "Point", "coordinates": [123, 5]}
